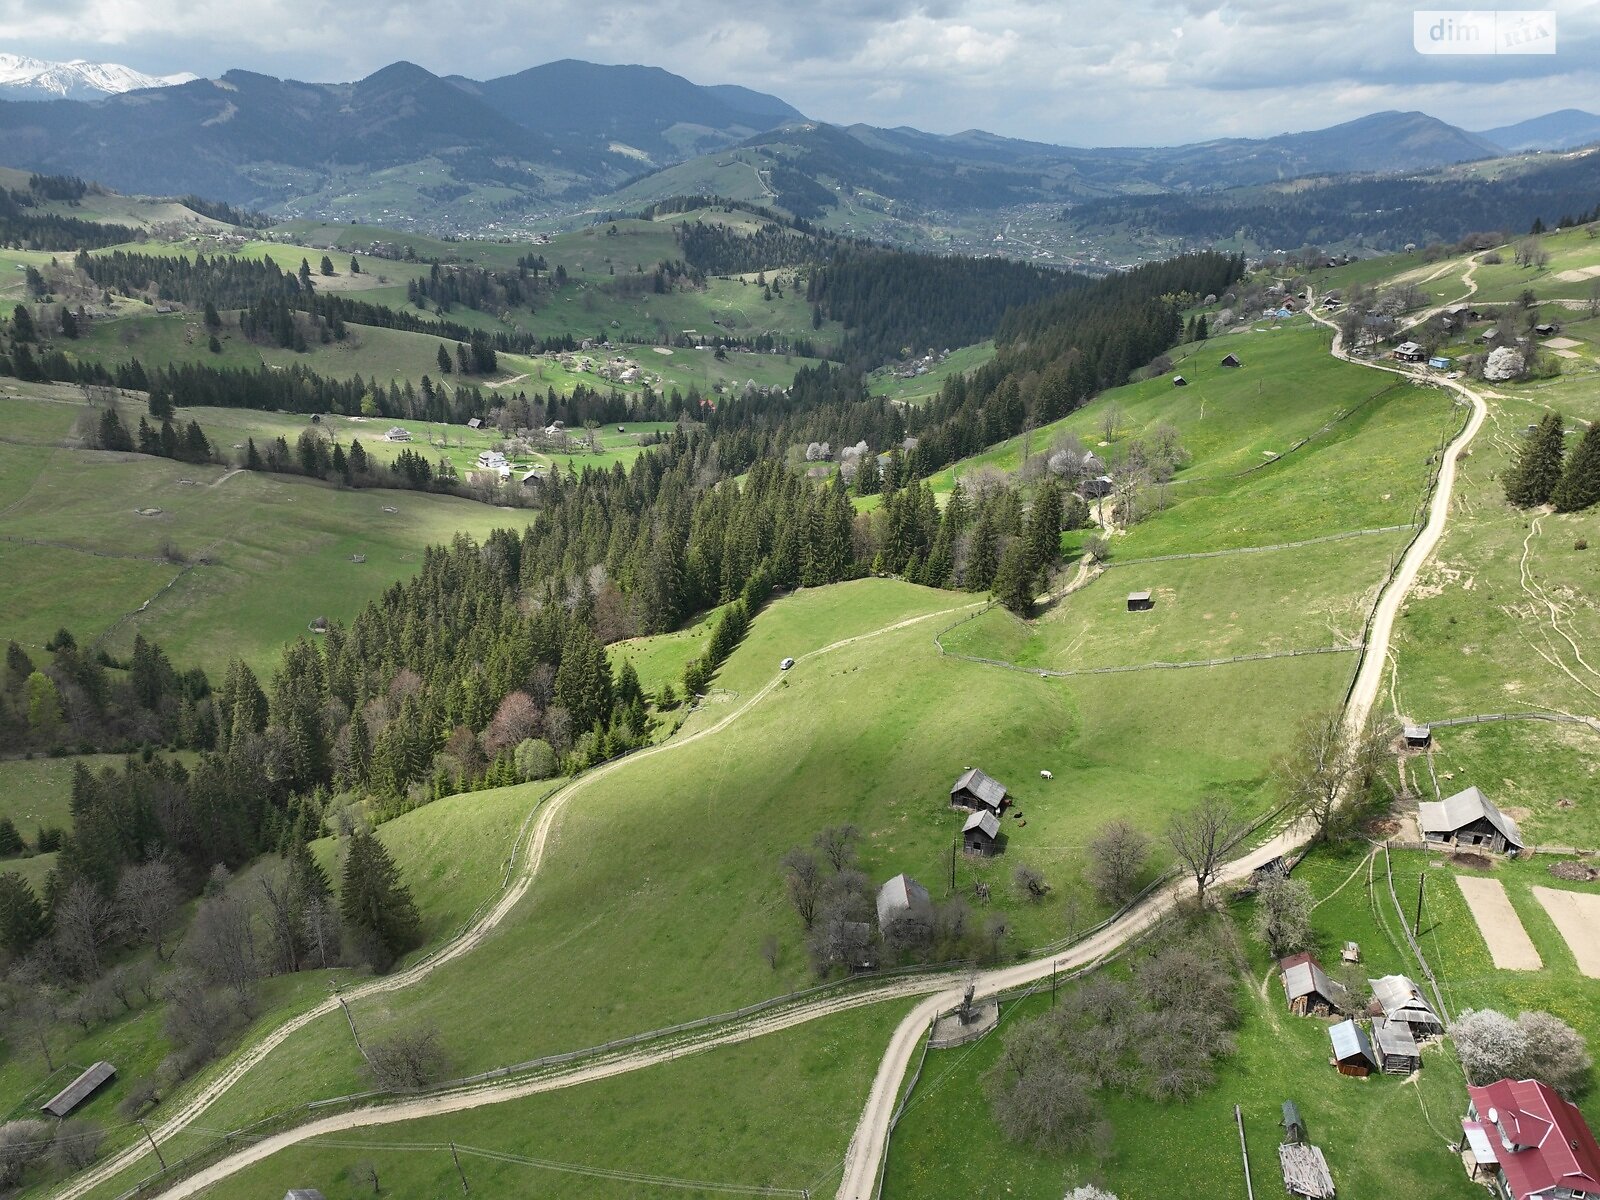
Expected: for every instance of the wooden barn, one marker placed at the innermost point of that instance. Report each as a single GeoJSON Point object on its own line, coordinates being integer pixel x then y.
{"type": "Point", "coordinates": [1232, 360]}
{"type": "Point", "coordinates": [1397, 1049]}
{"type": "Point", "coordinates": [1400, 999]}
{"type": "Point", "coordinates": [1352, 1050]}
{"type": "Point", "coordinates": [79, 1090]}
{"type": "Point", "coordinates": [902, 898]}
{"type": "Point", "coordinates": [1096, 487]}
{"type": "Point", "coordinates": [981, 834]}
{"type": "Point", "coordinates": [1468, 819]}
{"type": "Point", "coordinates": [1140, 601]}
{"type": "Point", "coordinates": [1309, 990]}
{"type": "Point", "coordinates": [976, 792]}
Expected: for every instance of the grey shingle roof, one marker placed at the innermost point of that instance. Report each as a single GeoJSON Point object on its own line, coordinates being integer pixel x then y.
{"type": "Point", "coordinates": [986, 821]}
{"type": "Point", "coordinates": [990, 791]}
{"type": "Point", "coordinates": [1397, 995]}
{"type": "Point", "coordinates": [1462, 809]}
{"type": "Point", "coordinates": [1394, 1037]}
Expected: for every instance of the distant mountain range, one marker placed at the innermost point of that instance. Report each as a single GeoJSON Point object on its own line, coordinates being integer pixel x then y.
{"type": "Point", "coordinates": [23, 78]}
{"type": "Point", "coordinates": [457, 152]}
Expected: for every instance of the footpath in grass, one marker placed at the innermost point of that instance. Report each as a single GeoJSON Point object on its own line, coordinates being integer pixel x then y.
{"type": "Point", "coordinates": [776, 1112]}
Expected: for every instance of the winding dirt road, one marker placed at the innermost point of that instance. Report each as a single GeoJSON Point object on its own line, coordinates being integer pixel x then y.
{"type": "Point", "coordinates": [864, 1158]}
{"type": "Point", "coordinates": [471, 938]}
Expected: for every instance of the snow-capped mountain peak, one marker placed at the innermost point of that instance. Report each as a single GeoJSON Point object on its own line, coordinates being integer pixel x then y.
{"type": "Point", "coordinates": [25, 78]}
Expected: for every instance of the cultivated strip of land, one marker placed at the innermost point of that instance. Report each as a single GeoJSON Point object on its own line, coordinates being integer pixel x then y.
{"type": "Point", "coordinates": [1577, 917]}
{"type": "Point", "coordinates": [1509, 944]}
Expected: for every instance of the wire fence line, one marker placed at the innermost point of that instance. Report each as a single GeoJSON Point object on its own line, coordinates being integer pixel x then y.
{"type": "Point", "coordinates": [1559, 718]}
{"type": "Point", "coordinates": [1405, 927]}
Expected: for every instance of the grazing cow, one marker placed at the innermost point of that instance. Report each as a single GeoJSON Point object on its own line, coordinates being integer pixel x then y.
{"type": "Point", "coordinates": [1046, 775]}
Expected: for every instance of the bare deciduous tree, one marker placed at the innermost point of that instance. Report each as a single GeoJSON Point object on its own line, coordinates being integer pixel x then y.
{"type": "Point", "coordinates": [1117, 856]}
{"type": "Point", "coordinates": [1328, 770]}
{"type": "Point", "coordinates": [221, 946]}
{"type": "Point", "coordinates": [1200, 837]}
{"type": "Point", "coordinates": [76, 1145]}
{"type": "Point", "coordinates": [21, 1143]}
{"type": "Point", "coordinates": [148, 898]}
{"type": "Point", "coordinates": [408, 1058]}
{"type": "Point", "coordinates": [837, 844]}
{"type": "Point", "coordinates": [84, 922]}
{"type": "Point", "coordinates": [769, 951]}
{"type": "Point", "coordinates": [803, 876]}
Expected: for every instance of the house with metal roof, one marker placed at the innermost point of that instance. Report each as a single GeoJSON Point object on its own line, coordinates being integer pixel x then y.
{"type": "Point", "coordinates": [1397, 1048]}
{"type": "Point", "coordinates": [1401, 1000]}
{"type": "Point", "coordinates": [1308, 988]}
{"type": "Point", "coordinates": [1352, 1050]}
{"type": "Point", "coordinates": [900, 899]}
{"type": "Point", "coordinates": [1532, 1144]}
{"type": "Point", "coordinates": [79, 1090]}
{"type": "Point", "coordinates": [1468, 819]}
{"type": "Point", "coordinates": [981, 833]}
{"type": "Point", "coordinates": [975, 792]}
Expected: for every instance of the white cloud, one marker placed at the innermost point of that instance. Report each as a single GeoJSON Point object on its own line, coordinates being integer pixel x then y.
{"type": "Point", "coordinates": [1076, 71]}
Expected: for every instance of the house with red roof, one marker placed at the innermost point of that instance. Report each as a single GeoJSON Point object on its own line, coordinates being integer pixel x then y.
{"type": "Point", "coordinates": [1530, 1142]}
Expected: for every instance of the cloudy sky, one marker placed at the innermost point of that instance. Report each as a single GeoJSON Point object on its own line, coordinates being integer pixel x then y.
{"type": "Point", "coordinates": [1065, 71]}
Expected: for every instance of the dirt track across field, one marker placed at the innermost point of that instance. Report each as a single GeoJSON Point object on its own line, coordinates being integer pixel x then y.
{"type": "Point", "coordinates": [1577, 916]}
{"type": "Point", "coordinates": [1509, 944]}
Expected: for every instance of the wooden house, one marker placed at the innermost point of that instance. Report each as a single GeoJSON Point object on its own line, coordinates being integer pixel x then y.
{"type": "Point", "coordinates": [1397, 1048]}
{"type": "Point", "coordinates": [1140, 602]}
{"type": "Point", "coordinates": [1547, 329]}
{"type": "Point", "coordinates": [1530, 1143]}
{"type": "Point", "coordinates": [902, 898]}
{"type": "Point", "coordinates": [1409, 352]}
{"type": "Point", "coordinates": [1468, 819]}
{"type": "Point", "coordinates": [1418, 736]}
{"type": "Point", "coordinates": [1308, 988]}
{"type": "Point", "coordinates": [1096, 487]}
{"type": "Point", "coordinates": [79, 1090]}
{"type": "Point", "coordinates": [1400, 999]}
{"type": "Point", "coordinates": [976, 792]}
{"type": "Point", "coordinates": [1352, 1050]}
{"type": "Point", "coordinates": [981, 834]}
{"type": "Point", "coordinates": [1232, 360]}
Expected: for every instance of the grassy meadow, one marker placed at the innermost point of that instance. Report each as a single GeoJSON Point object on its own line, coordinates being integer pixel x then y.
{"type": "Point", "coordinates": [229, 565]}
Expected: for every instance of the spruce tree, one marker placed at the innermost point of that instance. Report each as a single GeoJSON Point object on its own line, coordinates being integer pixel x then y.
{"type": "Point", "coordinates": [376, 905]}
{"type": "Point", "coordinates": [10, 839]}
{"type": "Point", "coordinates": [1538, 467]}
{"type": "Point", "coordinates": [21, 915]}
{"type": "Point", "coordinates": [1580, 482]}
{"type": "Point", "coordinates": [1013, 585]}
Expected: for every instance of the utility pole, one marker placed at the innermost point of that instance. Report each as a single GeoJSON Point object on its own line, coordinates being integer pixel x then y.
{"type": "Point", "coordinates": [153, 1145]}
{"type": "Point", "coordinates": [954, 842]}
{"type": "Point", "coordinates": [456, 1158]}
{"type": "Point", "coordinates": [1417, 925]}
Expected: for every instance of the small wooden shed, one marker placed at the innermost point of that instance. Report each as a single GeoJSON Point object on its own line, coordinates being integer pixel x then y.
{"type": "Point", "coordinates": [1308, 988]}
{"type": "Point", "coordinates": [302, 1194]}
{"type": "Point", "coordinates": [1294, 1129]}
{"type": "Point", "coordinates": [981, 834]}
{"type": "Point", "coordinates": [977, 792]}
{"type": "Point", "coordinates": [1397, 1049]}
{"type": "Point", "coordinates": [1140, 601]}
{"type": "Point", "coordinates": [1351, 952]}
{"type": "Point", "coordinates": [1418, 736]}
{"type": "Point", "coordinates": [79, 1090]}
{"type": "Point", "coordinates": [1232, 360]}
{"type": "Point", "coordinates": [1179, 381]}
{"type": "Point", "coordinates": [1352, 1050]}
